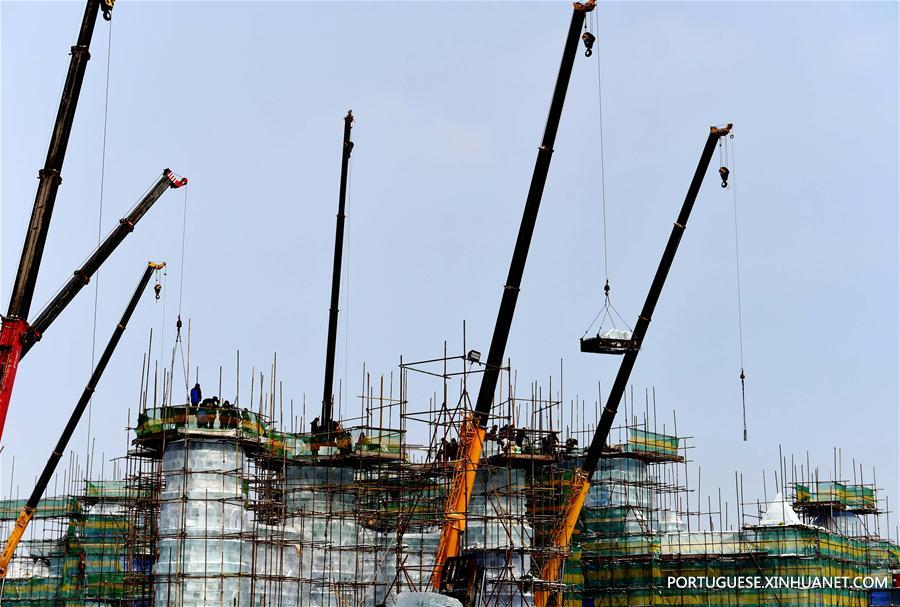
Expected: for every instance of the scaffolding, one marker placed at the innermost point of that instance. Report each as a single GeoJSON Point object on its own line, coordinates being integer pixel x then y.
{"type": "Point", "coordinates": [73, 554]}
{"type": "Point", "coordinates": [232, 507]}
{"type": "Point", "coordinates": [639, 540]}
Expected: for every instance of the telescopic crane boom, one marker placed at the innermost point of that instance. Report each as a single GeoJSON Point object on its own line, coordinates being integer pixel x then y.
{"type": "Point", "coordinates": [578, 488]}
{"type": "Point", "coordinates": [472, 431]}
{"type": "Point", "coordinates": [328, 391]}
{"type": "Point", "coordinates": [14, 324]}
{"type": "Point", "coordinates": [82, 276]}
{"type": "Point", "coordinates": [49, 177]}
{"type": "Point", "coordinates": [50, 467]}
{"type": "Point", "coordinates": [18, 335]}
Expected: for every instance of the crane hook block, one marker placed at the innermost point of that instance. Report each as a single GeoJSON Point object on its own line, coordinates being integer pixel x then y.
{"type": "Point", "coordinates": [156, 289]}
{"type": "Point", "coordinates": [723, 173]}
{"type": "Point", "coordinates": [107, 6]}
{"type": "Point", "coordinates": [589, 40]}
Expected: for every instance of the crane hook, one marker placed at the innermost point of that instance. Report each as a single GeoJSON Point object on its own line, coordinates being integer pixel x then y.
{"type": "Point", "coordinates": [723, 173]}
{"type": "Point", "coordinates": [588, 39]}
{"type": "Point", "coordinates": [156, 289]}
{"type": "Point", "coordinates": [107, 6]}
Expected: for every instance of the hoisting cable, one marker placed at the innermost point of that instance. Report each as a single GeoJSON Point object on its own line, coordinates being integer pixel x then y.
{"type": "Point", "coordinates": [724, 173]}
{"type": "Point", "coordinates": [178, 323]}
{"type": "Point", "coordinates": [100, 219]}
{"type": "Point", "coordinates": [594, 19]}
{"type": "Point", "coordinates": [607, 311]}
{"type": "Point", "coordinates": [346, 274]}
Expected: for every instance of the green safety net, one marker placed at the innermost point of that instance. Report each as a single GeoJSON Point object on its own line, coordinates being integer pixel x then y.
{"type": "Point", "coordinates": [642, 441]}
{"type": "Point", "coordinates": [855, 497]}
{"type": "Point", "coordinates": [49, 507]}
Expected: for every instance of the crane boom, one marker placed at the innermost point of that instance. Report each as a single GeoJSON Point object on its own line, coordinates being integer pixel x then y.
{"type": "Point", "coordinates": [50, 467]}
{"type": "Point", "coordinates": [472, 432]}
{"type": "Point", "coordinates": [601, 434]}
{"type": "Point", "coordinates": [15, 323]}
{"type": "Point", "coordinates": [82, 276]}
{"type": "Point", "coordinates": [328, 390]}
{"type": "Point", "coordinates": [49, 177]}
{"type": "Point", "coordinates": [18, 336]}
{"type": "Point", "coordinates": [561, 535]}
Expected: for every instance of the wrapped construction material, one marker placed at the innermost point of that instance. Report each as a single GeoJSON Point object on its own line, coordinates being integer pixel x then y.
{"type": "Point", "coordinates": [779, 513]}
{"type": "Point", "coordinates": [425, 599]}
{"type": "Point", "coordinates": [616, 334]}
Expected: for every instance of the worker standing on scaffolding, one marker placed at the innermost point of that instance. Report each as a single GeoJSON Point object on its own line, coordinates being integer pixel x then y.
{"type": "Point", "coordinates": [196, 394]}
{"type": "Point", "coordinates": [202, 413]}
{"type": "Point", "coordinates": [549, 443]}
{"type": "Point", "coordinates": [211, 414]}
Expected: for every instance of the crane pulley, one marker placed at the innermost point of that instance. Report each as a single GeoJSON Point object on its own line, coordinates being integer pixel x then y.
{"type": "Point", "coordinates": [724, 171]}
{"type": "Point", "coordinates": [588, 39]}
{"type": "Point", "coordinates": [106, 6]}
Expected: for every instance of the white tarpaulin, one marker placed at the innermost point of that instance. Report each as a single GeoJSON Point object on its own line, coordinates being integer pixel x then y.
{"type": "Point", "coordinates": [425, 599]}
{"type": "Point", "coordinates": [616, 334]}
{"type": "Point", "coordinates": [779, 513]}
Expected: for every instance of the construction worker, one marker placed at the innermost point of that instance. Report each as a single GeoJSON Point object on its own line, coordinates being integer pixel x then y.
{"type": "Point", "coordinates": [202, 415]}
{"type": "Point", "coordinates": [362, 442]}
{"type": "Point", "coordinates": [492, 435]}
{"type": "Point", "coordinates": [549, 443]}
{"type": "Point", "coordinates": [211, 415]}
{"type": "Point", "coordinates": [225, 415]}
{"type": "Point", "coordinates": [181, 416]}
{"type": "Point", "coordinates": [196, 394]}
{"type": "Point", "coordinates": [141, 422]}
{"type": "Point", "coordinates": [453, 449]}
{"type": "Point", "coordinates": [343, 438]}
{"type": "Point", "coordinates": [523, 442]}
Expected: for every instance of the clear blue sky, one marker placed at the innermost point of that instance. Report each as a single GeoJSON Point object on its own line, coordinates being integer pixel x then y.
{"type": "Point", "coordinates": [246, 99]}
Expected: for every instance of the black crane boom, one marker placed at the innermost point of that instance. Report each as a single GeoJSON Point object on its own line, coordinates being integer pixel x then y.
{"type": "Point", "coordinates": [50, 175]}
{"type": "Point", "coordinates": [472, 430]}
{"type": "Point", "coordinates": [50, 467]}
{"type": "Point", "coordinates": [82, 275]}
{"type": "Point", "coordinates": [529, 219]}
{"type": "Point", "coordinates": [601, 434]}
{"type": "Point", "coordinates": [328, 390]}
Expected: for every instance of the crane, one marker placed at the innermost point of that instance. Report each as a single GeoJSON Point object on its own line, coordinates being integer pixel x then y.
{"type": "Point", "coordinates": [50, 467]}
{"type": "Point", "coordinates": [17, 335]}
{"type": "Point", "coordinates": [15, 322]}
{"type": "Point", "coordinates": [561, 535]}
{"type": "Point", "coordinates": [327, 423]}
{"type": "Point", "coordinates": [472, 430]}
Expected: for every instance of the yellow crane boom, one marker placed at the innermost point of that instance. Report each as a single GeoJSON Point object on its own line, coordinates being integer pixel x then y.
{"type": "Point", "coordinates": [561, 537]}
{"type": "Point", "coordinates": [473, 428]}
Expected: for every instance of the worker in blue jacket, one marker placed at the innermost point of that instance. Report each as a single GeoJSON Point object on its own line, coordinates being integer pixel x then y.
{"type": "Point", "coordinates": [196, 395]}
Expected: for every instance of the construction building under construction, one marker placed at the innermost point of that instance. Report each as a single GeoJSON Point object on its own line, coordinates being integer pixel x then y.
{"type": "Point", "coordinates": [415, 494]}
{"type": "Point", "coordinates": [240, 511]}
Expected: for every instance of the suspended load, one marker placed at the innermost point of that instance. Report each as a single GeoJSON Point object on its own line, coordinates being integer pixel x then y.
{"type": "Point", "coordinates": [612, 340]}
